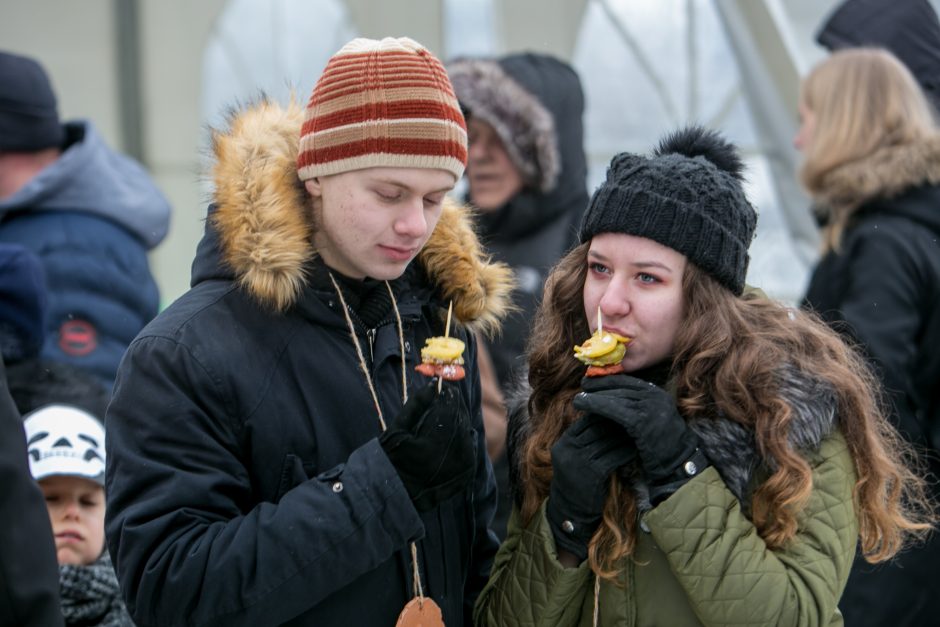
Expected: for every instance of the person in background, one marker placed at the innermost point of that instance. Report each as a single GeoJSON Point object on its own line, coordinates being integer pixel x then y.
{"type": "Point", "coordinates": [89, 213]}
{"type": "Point", "coordinates": [29, 583]}
{"type": "Point", "coordinates": [273, 457]}
{"type": "Point", "coordinates": [62, 408]}
{"type": "Point", "coordinates": [724, 477]}
{"type": "Point", "coordinates": [526, 174]}
{"type": "Point", "coordinates": [872, 161]}
{"type": "Point", "coordinates": [909, 29]}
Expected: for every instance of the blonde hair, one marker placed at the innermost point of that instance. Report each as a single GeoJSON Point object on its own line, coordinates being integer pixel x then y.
{"type": "Point", "coordinates": [863, 99]}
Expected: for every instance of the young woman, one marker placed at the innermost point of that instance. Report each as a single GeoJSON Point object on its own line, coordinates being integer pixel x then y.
{"type": "Point", "coordinates": [872, 164]}
{"type": "Point", "coordinates": [727, 475]}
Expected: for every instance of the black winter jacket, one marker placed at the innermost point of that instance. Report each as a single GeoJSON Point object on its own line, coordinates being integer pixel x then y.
{"type": "Point", "coordinates": [245, 480]}
{"type": "Point", "coordinates": [882, 289]}
{"type": "Point", "coordinates": [909, 29]}
{"type": "Point", "coordinates": [29, 575]}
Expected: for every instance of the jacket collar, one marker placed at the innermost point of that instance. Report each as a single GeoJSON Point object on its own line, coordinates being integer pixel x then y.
{"type": "Point", "coordinates": [884, 174]}
{"type": "Point", "coordinates": [264, 226]}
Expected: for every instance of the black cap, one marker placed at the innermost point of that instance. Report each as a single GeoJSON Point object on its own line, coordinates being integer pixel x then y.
{"type": "Point", "coordinates": [29, 119]}
{"type": "Point", "coordinates": [687, 196]}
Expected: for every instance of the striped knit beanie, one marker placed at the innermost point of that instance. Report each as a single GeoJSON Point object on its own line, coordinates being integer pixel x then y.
{"type": "Point", "coordinates": [382, 103]}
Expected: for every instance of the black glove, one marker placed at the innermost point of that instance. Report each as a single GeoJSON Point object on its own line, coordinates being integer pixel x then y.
{"type": "Point", "coordinates": [582, 462]}
{"type": "Point", "coordinates": [430, 443]}
{"type": "Point", "coordinates": [668, 449]}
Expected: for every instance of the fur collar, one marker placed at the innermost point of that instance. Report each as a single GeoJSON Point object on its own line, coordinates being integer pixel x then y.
{"type": "Point", "coordinates": [525, 126]}
{"type": "Point", "coordinates": [264, 223]}
{"type": "Point", "coordinates": [884, 174]}
{"type": "Point", "coordinates": [730, 446]}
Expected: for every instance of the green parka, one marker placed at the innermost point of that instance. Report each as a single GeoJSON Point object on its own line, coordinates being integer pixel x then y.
{"type": "Point", "coordinates": [699, 559]}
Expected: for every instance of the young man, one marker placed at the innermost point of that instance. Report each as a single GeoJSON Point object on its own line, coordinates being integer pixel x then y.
{"type": "Point", "coordinates": [251, 479]}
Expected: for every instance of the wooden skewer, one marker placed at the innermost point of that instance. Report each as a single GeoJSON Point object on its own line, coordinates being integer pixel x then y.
{"type": "Point", "coordinates": [450, 309]}
{"type": "Point", "coordinates": [600, 322]}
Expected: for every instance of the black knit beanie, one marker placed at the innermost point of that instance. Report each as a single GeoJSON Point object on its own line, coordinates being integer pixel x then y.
{"type": "Point", "coordinates": [686, 196]}
{"type": "Point", "coordinates": [29, 118]}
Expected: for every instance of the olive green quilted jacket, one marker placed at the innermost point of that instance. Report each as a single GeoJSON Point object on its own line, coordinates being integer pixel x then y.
{"type": "Point", "coordinates": [699, 561]}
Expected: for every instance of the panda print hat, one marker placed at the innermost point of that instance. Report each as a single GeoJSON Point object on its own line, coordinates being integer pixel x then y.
{"type": "Point", "coordinates": [65, 440]}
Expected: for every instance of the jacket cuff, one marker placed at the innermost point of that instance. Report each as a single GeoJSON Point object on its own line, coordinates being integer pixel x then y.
{"type": "Point", "coordinates": [376, 479]}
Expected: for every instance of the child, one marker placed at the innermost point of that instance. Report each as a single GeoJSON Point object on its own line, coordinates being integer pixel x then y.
{"type": "Point", "coordinates": [62, 408]}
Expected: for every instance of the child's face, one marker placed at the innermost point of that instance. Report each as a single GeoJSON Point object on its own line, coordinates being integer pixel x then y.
{"type": "Point", "coordinates": [76, 509]}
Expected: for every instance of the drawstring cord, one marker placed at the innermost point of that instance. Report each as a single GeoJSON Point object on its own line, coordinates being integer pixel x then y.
{"type": "Point", "coordinates": [375, 397]}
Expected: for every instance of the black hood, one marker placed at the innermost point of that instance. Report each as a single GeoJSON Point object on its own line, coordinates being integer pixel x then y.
{"type": "Point", "coordinates": [536, 104]}
{"type": "Point", "coordinates": [907, 28]}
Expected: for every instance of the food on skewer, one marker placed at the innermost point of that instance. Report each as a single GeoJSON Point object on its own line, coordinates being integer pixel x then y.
{"type": "Point", "coordinates": [602, 352]}
{"type": "Point", "coordinates": [442, 357]}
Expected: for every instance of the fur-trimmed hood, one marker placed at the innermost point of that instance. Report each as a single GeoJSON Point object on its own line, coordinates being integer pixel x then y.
{"type": "Point", "coordinates": [535, 104]}
{"type": "Point", "coordinates": [262, 221]}
{"type": "Point", "coordinates": [730, 446]}
{"type": "Point", "coordinates": [884, 174]}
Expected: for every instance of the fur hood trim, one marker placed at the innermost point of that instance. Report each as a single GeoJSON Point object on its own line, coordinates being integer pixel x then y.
{"type": "Point", "coordinates": [729, 446]}
{"type": "Point", "coordinates": [882, 175]}
{"type": "Point", "coordinates": [264, 221]}
{"type": "Point", "coordinates": [525, 126]}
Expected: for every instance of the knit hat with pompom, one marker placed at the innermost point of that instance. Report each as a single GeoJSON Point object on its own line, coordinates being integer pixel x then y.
{"type": "Point", "coordinates": [688, 196]}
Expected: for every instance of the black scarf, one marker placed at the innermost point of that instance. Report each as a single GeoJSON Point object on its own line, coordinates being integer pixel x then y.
{"type": "Point", "coordinates": [90, 595]}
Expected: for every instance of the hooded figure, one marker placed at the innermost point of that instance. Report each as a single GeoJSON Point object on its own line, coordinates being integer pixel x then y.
{"type": "Point", "coordinates": [89, 213]}
{"type": "Point", "coordinates": [534, 103]}
{"type": "Point", "coordinates": [908, 28]}
{"type": "Point", "coordinates": [526, 173]}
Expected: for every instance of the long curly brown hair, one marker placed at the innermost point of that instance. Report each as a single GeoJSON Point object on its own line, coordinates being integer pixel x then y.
{"type": "Point", "coordinates": [727, 359]}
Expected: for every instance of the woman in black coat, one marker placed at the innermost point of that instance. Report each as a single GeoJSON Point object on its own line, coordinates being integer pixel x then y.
{"type": "Point", "coordinates": [872, 166]}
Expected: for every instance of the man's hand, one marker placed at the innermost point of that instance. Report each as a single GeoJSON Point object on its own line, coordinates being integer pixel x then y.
{"type": "Point", "coordinates": [430, 443]}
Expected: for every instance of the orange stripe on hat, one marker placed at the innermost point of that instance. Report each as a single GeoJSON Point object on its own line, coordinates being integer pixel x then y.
{"type": "Point", "coordinates": [382, 103]}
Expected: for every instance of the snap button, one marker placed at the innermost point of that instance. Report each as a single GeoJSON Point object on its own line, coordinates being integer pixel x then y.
{"type": "Point", "coordinates": [690, 468]}
{"type": "Point", "coordinates": [567, 526]}
{"type": "Point", "coordinates": [338, 486]}
{"type": "Point", "coordinates": [407, 347]}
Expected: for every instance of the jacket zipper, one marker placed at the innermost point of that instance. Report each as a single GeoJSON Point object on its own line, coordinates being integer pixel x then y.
{"type": "Point", "coordinates": [370, 335]}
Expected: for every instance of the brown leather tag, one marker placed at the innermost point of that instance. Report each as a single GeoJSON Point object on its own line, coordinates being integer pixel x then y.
{"type": "Point", "coordinates": [420, 613]}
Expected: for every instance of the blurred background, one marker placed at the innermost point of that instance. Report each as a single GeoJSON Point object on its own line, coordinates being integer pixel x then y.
{"type": "Point", "coordinates": [154, 75]}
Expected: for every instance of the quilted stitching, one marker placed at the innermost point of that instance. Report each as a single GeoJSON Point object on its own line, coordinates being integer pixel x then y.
{"type": "Point", "coordinates": [723, 564]}
{"type": "Point", "coordinates": [726, 571]}
{"type": "Point", "coordinates": [528, 586]}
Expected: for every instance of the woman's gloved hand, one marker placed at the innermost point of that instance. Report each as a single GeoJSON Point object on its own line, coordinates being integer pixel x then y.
{"type": "Point", "coordinates": [582, 461]}
{"type": "Point", "coordinates": [667, 448]}
{"type": "Point", "coordinates": [430, 444]}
